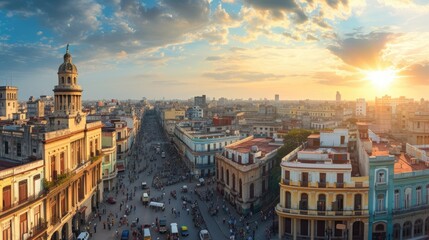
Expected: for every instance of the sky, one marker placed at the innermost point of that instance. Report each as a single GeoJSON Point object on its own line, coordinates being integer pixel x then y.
{"type": "Point", "coordinates": [177, 49]}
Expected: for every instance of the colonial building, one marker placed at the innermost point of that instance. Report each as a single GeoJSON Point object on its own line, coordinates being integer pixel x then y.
{"type": "Point", "coordinates": [242, 172]}
{"type": "Point", "coordinates": [70, 148]}
{"type": "Point", "coordinates": [322, 195]}
{"type": "Point", "coordinates": [199, 146]}
{"type": "Point", "coordinates": [110, 170]}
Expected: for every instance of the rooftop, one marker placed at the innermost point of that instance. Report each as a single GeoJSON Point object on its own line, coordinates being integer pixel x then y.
{"type": "Point", "coordinates": [404, 164]}
{"type": "Point", "coordinates": [5, 164]}
{"type": "Point", "coordinates": [265, 145]}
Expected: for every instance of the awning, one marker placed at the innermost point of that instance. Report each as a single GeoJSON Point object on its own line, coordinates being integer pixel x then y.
{"type": "Point", "coordinates": [120, 167]}
{"type": "Point", "coordinates": [82, 209]}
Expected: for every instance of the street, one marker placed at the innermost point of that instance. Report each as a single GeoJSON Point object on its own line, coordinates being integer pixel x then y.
{"type": "Point", "coordinates": [205, 208]}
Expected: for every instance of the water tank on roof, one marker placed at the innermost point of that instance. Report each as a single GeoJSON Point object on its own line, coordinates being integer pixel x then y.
{"type": "Point", "coordinates": [255, 148]}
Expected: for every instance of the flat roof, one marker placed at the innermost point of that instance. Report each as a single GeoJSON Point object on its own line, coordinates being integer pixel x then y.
{"type": "Point", "coordinates": [5, 164]}
{"type": "Point", "coordinates": [263, 145]}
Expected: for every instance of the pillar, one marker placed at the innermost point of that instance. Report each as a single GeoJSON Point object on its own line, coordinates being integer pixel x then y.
{"type": "Point", "coordinates": [312, 229]}
{"type": "Point", "coordinates": [365, 230]}
{"type": "Point", "coordinates": [294, 226]}
{"type": "Point", "coordinates": [349, 230]}
{"type": "Point", "coordinates": [281, 227]}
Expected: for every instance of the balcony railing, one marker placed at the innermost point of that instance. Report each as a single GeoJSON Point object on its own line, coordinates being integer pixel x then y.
{"type": "Point", "coordinates": [339, 185]}
{"type": "Point", "coordinates": [303, 183]}
{"type": "Point", "coordinates": [322, 184]}
{"type": "Point", "coordinates": [16, 204]}
{"type": "Point", "coordinates": [36, 230]}
{"type": "Point", "coordinates": [286, 181]}
{"type": "Point", "coordinates": [55, 220]}
{"type": "Point", "coordinates": [419, 208]}
{"type": "Point", "coordinates": [313, 212]}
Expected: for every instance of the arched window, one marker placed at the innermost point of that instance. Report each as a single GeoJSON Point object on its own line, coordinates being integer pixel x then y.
{"type": "Point", "coordinates": [358, 202]}
{"type": "Point", "coordinates": [321, 203]}
{"type": "Point", "coordinates": [406, 230]}
{"type": "Point", "coordinates": [396, 231]}
{"type": "Point", "coordinates": [380, 227]}
{"type": "Point", "coordinates": [217, 171]}
{"type": "Point", "coordinates": [339, 202]}
{"type": "Point", "coordinates": [252, 190]}
{"type": "Point", "coordinates": [62, 80]}
{"type": "Point", "coordinates": [68, 80]}
{"type": "Point", "coordinates": [418, 227]}
{"type": "Point", "coordinates": [227, 177]}
{"type": "Point", "coordinates": [233, 181]}
{"type": "Point", "coordinates": [221, 173]}
{"type": "Point", "coordinates": [74, 80]}
{"type": "Point", "coordinates": [288, 200]}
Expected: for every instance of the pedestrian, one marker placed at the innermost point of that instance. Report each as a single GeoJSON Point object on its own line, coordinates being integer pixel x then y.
{"type": "Point", "coordinates": [104, 225]}
{"type": "Point", "coordinates": [95, 227]}
{"type": "Point", "coordinates": [99, 217]}
{"type": "Point", "coordinates": [187, 210]}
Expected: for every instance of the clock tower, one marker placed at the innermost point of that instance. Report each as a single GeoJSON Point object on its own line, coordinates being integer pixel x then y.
{"type": "Point", "coordinates": [68, 98]}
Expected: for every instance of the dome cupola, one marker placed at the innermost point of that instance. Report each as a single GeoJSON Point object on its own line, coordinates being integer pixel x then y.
{"type": "Point", "coordinates": [67, 66]}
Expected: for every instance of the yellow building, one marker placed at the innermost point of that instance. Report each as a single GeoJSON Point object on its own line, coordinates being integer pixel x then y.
{"type": "Point", "coordinates": [22, 213]}
{"type": "Point", "coordinates": [69, 172]}
{"type": "Point", "coordinates": [242, 172]}
{"type": "Point", "coordinates": [319, 198]}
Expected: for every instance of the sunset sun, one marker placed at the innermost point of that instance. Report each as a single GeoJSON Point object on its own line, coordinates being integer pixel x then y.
{"type": "Point", "coordinates": [381, 78]}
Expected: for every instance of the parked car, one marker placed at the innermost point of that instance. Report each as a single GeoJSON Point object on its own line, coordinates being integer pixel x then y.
{"type": "Point", "coordinates": [111, 200]}
{"type": "Point", "coordinates": [83, 236]}
{"type": "Point", "coordinates": [162, 226]}
{"type": "Point", "coordinates": [204, 235]}
{"type": "Point", "coordinates": [184, 231]}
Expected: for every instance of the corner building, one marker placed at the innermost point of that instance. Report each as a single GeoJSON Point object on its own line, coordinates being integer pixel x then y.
{"type": "Point", "coordinates": [319, 197]}
{"type": "Point", "coordinates": [53, 203]}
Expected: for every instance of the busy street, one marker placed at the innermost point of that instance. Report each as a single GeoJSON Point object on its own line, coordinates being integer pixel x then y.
{"type": "Point", "coordinates": [157, 194]}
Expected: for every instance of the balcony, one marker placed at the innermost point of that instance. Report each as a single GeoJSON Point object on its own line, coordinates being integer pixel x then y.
{"type": "Point", "coordinates": [303, 183]}
{"type": "Point", "coordinates": [322, 184]}
{"type": "Point", "coordinates": [37, 230]}
{"type": "Point", "coordinates": [410, 210]}
{"type": "Point", "coordinates": [339, 185]}
{"type": "Point", "coordinates": [55, 220]}
{"type": "Point", "coordinates": [286, 181]}
{"type": "Point", "coordinates": [321, 213]}
{"type": "Point", "coordinates": [29, 200]}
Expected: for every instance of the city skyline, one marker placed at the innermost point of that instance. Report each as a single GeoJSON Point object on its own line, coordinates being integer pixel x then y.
{"type": "Point", "coordinates": [234, 49]}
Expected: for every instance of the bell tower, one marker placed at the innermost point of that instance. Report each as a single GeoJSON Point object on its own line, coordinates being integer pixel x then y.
{"type": "Point", "coordinates": [68, 97]}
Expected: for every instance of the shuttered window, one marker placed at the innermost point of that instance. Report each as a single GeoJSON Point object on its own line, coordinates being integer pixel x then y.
{"type": "Point", "coordinates": [7, 197]}
{"type": "Point", "coordinates": [23, 191]}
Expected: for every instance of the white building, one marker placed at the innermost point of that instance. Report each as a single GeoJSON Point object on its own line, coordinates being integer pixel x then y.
{"type": "Point", "coordinates": [360, 107]}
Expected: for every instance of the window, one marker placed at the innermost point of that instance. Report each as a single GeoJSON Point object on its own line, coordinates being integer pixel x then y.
{"type": "Point", "coordinates": [303, 204]}
{"type": "Point", "coordinates": [7, 233]}
{"type": "Point", "coordinates": [396, 201]}
{"type": "Point", "coordinates": [23, 194]}
{"type": "Point", "coordinates": [407, 198]}
{"type": "Point", "coordinates": [427, 194]}
{"type": "Point", "coordinates": [62, 163]}
{"type": "Point", "coordinates": [321, 203]}
{"type": "Point", "coordinates": [418, 196]}
{"type": "Point", "coordinates": [23, 225]}
{"type": "Point", "coordinates": [381, 177]}
{"type": "Point", "coordinates": [36, 184]}
{"type": "Point", "coordinates": [396, 231]}
{"type": "Point", "coordinates": [227, 177]}
{"type": "Point", "coordinates": [68, 80]}
{"type": "Point", "coordinates": [37, 218]}
{"type": "Point", "coordinates": [288, 200]}
{"type": "Point", "coordinates": [240, 188]}
{"type": "Point", "coordinates": [221, 175]}
{"type": "Point", "coordinates": [406, 231]}
{"type": "Point", "coordinates": [418, 227]}
{"type": "Point", "coordinates": [18, 149]}
{"type": "Point", "coordinates": [7, 197]}
{"type": "Point", "coordinates": [53, 170]}
{"type": "Point", "coordinates": [380, 203]}
{"type": "Point", "coordinates": [233, 181]}
{"type": "Point", "coordinates": [252, 190]}
{"type": "Point", "coordinates": [6, 147]}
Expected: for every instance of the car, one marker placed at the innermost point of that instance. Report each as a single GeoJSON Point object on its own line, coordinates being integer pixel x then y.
{"type": "Point", "coordinates": [125, 234]}
{"type": "Point", "coordinates": [204, 235]}
{"type": "Point", "coordinates": [111, 200]}
{"type": "Point", "coordinates": [83, 236]}
{"type": "Point", "coordinates": [184, 231]}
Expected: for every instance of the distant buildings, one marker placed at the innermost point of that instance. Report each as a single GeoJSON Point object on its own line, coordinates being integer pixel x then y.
{"type": "Point", "coordinates": [200, 101]}
{"type": "Point", "coordinates": [35, 108]}
{"type": "Point", "coordinates": [360, 110]}
{"type": "Point", "coordinates": [276, 98]}
{"type": "Point", "coordinates": [338, 97]}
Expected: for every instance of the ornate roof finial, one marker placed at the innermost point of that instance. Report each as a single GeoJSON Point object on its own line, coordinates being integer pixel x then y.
{"type": "Point", "coordinates": [67, 49]}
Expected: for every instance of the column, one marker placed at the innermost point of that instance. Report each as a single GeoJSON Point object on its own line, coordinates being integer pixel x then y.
{"type": "Point", "coordinates": [349, 230]}
{"type": "Point", "coordinates": [294, 225]}
{"type": "Point", "coordinates": [312, 229]}
{"type": "Point", "coordinates": [365, 230]}
{"type": "Point", "coordinates": [281, 227]}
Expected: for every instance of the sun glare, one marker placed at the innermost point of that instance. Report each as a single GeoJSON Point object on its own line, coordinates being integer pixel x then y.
{"type": "Point", "coordinates": [381, 78]}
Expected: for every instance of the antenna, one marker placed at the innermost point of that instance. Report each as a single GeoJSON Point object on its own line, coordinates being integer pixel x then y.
{"type": "Point", "coordinates": [67, 49]}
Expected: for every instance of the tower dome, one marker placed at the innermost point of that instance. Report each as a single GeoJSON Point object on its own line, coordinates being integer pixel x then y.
{"type": "Point", "coordinates": [67, 66]}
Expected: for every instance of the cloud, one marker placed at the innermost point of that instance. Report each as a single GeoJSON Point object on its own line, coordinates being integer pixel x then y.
{"type": "Point", "coordinates": [214, 58]}
{"type": "Point", "coordinates": [242, 76]}
{"type": "Point", "coordinates": [335, 79]}
{"type": "Point", "coordinates": [363, 50]}
{"type": "Point", "coordinates": [417, 74]}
